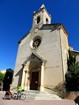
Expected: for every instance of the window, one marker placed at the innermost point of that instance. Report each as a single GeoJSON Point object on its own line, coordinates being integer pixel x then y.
{"type": "Point", "coordinates": [47, 21]}
{"type": "Point", "coordinates": [36, 42]}
{"type": "Point", "coordinates": [38, 19]}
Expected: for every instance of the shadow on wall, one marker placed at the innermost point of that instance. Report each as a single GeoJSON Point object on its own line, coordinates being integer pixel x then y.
{"type": "Point", "coordinates": [19, 73]}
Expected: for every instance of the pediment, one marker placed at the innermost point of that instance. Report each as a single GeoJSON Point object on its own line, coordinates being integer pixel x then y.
{"type": "Point", "coordinates": [34, 57]}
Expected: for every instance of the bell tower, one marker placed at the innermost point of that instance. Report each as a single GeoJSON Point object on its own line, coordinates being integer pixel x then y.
{"type": "Point", "coordinates": [41, 17]}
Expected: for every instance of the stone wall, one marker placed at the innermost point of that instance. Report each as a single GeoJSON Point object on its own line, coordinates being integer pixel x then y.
{"type": "Point", "coordinates": [71, 95]}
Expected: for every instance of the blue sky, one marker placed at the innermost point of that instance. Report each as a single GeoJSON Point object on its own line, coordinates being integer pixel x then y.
{"type": "Point", "coordinates": [16, 21]}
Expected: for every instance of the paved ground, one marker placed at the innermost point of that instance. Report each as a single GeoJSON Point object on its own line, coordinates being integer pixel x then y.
{"type": "Point", "coordinates": [35, 102]}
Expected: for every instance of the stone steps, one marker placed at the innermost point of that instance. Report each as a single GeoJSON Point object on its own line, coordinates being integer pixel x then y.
{"type": "Point", "coordinates": [40, 95]}
{"type": "Point", "coordinates": [37, 95]}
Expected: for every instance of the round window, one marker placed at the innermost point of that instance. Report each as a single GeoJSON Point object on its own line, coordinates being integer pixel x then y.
{"type": "Point", "coordinates": [36, 42]}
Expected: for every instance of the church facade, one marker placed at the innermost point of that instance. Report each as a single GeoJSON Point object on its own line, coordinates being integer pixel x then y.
{"type": "Point", "coordinates": [41, 61]}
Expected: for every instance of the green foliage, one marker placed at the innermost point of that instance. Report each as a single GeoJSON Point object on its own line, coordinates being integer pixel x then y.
{"type": "Point", "coordinates": [71, 60]}
{"type": "Point", "coordinates": [1, 77]}
{"type": "Point", "coordinates": [72, 76]}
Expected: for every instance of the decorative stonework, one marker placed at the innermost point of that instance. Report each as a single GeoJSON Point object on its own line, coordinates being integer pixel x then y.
{"type": "Point", "coordinates": [35, 42]}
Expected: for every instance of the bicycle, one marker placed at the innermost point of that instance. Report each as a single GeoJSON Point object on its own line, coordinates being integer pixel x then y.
{"type": "Point", "coordinates": [19, 95]}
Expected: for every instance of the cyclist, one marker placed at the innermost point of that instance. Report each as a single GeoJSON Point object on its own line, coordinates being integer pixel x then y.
{"type": "Point", "coordinates": [19, 89]}
{"type": "Point", "coordinates": [8, 95]}
{"type": "Point", "coordinates": [19, 94]}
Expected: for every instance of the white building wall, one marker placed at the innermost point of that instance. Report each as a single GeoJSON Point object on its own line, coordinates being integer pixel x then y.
{"type": "Point", "coordinates": [64, 41]}
{"type": "Point", "coordinates": [22, 54]}
{"type": "Point", "coordinates": [49, 50]}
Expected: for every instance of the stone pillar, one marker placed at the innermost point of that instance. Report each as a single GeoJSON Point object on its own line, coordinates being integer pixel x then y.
{"type": "Point", "coordinates": [27, 80]}
{"type": "Point", "coordinates": [28, 77]}
{"type": "Point", "coordinates": [25, 83]}
{"type": "Point", "coordinates": [23, 78]}
{"type": "Point", "coordinates": [42, 77]}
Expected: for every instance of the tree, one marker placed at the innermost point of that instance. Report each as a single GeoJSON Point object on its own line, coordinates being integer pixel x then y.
{"type": "Point", "coordinates": [72, 75]}
{"type": "Point", "coordinates": [7, 79]}
{"type": "Point", "coordinates": [1, 77]}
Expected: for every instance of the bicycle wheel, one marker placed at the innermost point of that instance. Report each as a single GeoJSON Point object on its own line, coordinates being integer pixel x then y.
{"type": "Point", "coordinates": [15, 96]}
{"type": "Point", "coordinates": [23, 96]}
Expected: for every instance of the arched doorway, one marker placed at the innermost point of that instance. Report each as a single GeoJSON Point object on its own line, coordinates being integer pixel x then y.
{"type": "Point", "coordinates": [35, 75]}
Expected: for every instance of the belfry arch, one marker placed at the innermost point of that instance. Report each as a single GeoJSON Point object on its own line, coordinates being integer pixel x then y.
{"type": "Point", "coordinates": [33, 73]}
